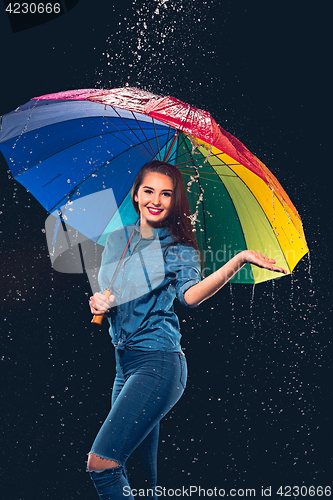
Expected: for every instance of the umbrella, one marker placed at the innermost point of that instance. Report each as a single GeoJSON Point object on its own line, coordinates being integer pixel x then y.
{"type": "Point", "coordinates": [78, 152]}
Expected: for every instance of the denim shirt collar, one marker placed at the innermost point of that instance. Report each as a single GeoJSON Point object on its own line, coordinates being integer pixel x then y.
{"type": "Point", "coordinates": [160, 232]}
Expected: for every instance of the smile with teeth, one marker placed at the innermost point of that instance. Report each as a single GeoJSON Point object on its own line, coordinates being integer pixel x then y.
{"type": "Point", "coordinates": [154, 211]}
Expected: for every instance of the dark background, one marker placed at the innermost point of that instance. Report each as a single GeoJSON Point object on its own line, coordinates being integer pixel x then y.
{"type": "Point", "coordinates": [257, 409]}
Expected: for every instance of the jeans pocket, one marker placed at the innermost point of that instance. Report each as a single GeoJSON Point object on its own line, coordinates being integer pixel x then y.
{"type": "Point", "coordinates": [183, 370]}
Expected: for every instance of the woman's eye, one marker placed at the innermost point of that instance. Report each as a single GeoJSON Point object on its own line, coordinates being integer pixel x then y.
{"type": "Point", "coordinates": [148, 191]}
{"type": "Point", "coordinates": [167, 194]}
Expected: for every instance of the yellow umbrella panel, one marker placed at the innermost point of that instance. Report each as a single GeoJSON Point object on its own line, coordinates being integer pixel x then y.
{"type": "Point", "coordinates": [235, 209]}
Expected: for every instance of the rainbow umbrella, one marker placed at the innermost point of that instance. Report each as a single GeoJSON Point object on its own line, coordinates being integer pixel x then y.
{"type": "Point", "coordinates": [78, 152]}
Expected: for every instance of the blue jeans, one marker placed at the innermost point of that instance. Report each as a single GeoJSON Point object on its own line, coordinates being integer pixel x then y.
{"type": "Point", "coordinates": [146, 387]}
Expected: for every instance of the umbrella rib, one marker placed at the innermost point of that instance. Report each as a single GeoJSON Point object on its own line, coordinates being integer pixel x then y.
{"type": "Point", "coordinates": [57, 152]}
{"type": "Point", "coordinates": [203, 207]}
{"type": "Point", "coordinates": [269, 222]}
{"type": "Point", "coordinates": [158, 146]}
{"type": "Point", "coordinates": [255, 197]}
{"type": "Point", "coordinates": [145, 151]}
{"type": "Point", "coordinates": [262, 210]}
{"type": "Point", "coordinates": [115, 110]}
{"type": "Point", "coordinates": [137, 121]}
{"type": "Point", "coordinates": [185, 164]}
{"type": "Point", "coordinates": [166, 156]}
{"type": "Point", "coordinates": [70, 193]}
{"type": "Point", "coordinates": [137, 146]}
{"type": "Point", "coordinates": [180, 143]}
{"type": "Point", "coordinates": [213, 155]}
{"type": "Point", "coordinates": [169, 129]}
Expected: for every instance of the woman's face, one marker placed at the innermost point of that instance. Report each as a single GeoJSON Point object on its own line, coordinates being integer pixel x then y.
{"type": "Point", "coordinates": [154, 198]}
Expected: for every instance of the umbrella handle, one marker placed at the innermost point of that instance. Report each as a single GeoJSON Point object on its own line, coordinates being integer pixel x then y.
{"type": "Point", "coordinates": [98, 318]}
{"type": "Point", "coordinates": [107, 292]}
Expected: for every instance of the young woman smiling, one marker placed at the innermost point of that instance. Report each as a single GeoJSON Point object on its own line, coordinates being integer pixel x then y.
{"type": "Point", "coordinates": [162, 262]}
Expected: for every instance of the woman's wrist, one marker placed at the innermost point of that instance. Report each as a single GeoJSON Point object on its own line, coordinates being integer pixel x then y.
{"type": "Point", "coordinates": [235, 263]}
{"type": "Point", "coordinates": [244, 257]}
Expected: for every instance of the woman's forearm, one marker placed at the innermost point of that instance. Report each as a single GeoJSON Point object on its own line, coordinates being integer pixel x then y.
{"type": "Point", "coordinates": [213, 283]}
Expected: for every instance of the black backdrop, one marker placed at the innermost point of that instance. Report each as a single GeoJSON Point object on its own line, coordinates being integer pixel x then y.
{"type": "Point", "coordinates": [256, 411]}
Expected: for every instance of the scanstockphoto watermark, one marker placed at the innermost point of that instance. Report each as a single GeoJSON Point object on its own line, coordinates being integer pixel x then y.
{"type": "Point", "coordinates": [76, 237]}
{"type": "Point", "coordinates": [190, 491]}
{"type": "Point", "coordinates": [225, 253]}
{"type": "Point", "coordinates": [213, 260]}
{"type": "Point", "coordinates": [262, 491]}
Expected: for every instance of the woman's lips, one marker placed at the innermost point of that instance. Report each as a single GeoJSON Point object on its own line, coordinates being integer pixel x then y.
{"type": "Point", "coordinates": [154, 211]}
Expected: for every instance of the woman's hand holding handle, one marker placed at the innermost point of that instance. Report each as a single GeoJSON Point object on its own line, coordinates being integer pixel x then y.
{"type": "Point", "coordinates": [99, 304]}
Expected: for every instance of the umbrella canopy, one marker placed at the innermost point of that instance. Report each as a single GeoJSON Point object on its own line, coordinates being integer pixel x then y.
{"type": "Point", "coordinates": [78, 152]}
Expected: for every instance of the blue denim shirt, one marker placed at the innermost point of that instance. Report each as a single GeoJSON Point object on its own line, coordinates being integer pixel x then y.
{"type": "Point", "coordinates": [146, 285]}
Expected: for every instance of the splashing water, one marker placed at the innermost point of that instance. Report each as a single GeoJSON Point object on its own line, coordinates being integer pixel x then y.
{"type": "Point", "coordinates": [273, 300]}
{"type": "Point", "coordinates": [26, 126]}
{"type": "Point", "coordinates": [310, 275]}
{"type": "Point", "coordinates": [155, 34]}
{"type": "Point", "coordinates": [251, 307]}
{"type": "Point", "coordinates": [232, 300]}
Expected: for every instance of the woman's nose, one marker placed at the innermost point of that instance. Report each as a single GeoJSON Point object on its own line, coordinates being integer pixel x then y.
{"type": "Point", "coordinates": [156, 199]}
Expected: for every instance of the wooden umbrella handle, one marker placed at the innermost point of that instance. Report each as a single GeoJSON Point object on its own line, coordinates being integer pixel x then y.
{"type": "Point", "coordinates": [98, 318]}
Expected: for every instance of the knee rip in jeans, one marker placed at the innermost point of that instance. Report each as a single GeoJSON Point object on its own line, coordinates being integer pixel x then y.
{"type": "Point", "coordinates": [97, 463]}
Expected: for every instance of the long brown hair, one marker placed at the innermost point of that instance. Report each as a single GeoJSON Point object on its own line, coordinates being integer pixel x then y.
{"type": "Point", "coordinates": [178, 222]}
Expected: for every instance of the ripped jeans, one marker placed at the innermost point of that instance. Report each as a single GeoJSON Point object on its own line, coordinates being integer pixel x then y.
{"type": "Point", "coordinates": [147, 385]}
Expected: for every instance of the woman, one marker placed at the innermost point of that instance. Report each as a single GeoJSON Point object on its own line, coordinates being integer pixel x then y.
{"type": "Point", "coordinates": [162, 262]}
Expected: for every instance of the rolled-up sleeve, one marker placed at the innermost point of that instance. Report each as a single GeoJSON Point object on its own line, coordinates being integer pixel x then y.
{"type": "Point", "coordinates": [185, 264]}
